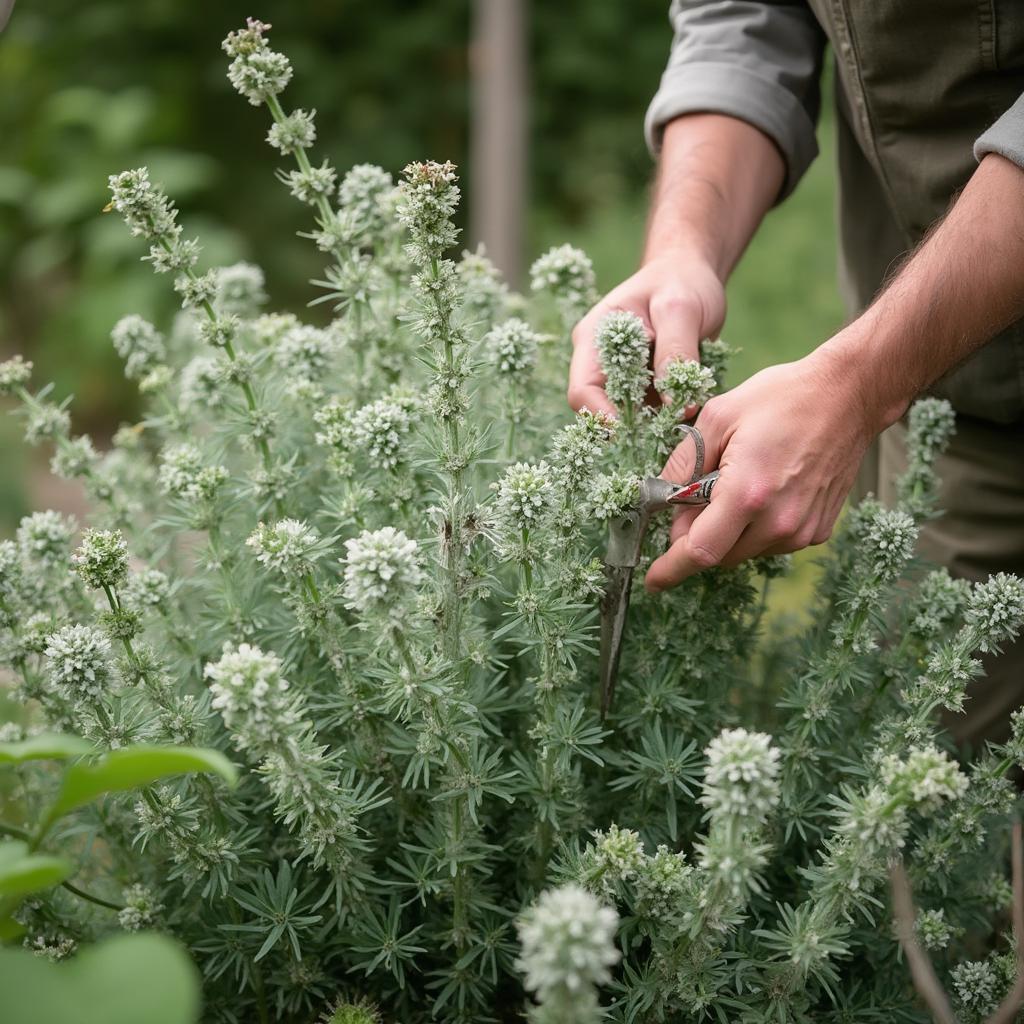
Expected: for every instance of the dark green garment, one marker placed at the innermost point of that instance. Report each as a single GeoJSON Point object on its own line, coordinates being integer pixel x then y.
{"type": "Point", "coordinates": [917, 83]}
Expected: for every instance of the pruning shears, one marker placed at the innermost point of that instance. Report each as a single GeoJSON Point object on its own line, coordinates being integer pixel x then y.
{"type": "Point", "coordinates": [625, 540]}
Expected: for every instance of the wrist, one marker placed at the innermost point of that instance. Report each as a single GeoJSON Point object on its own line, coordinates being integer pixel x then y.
{"type": "Point", "coordinates": [853, 364]}
{"type": "Point", "coordinates": [682, 250]}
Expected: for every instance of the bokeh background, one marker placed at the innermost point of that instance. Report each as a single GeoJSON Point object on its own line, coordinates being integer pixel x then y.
{"type": "Point", "coordinates": [89, 88]}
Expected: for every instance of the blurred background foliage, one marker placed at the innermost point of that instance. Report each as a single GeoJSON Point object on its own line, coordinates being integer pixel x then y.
{"type": "Point", "coordinates": [91, 88]}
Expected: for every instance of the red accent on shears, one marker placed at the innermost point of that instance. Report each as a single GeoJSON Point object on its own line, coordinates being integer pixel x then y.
{"type": "Point", "coordinates": [687, 491]}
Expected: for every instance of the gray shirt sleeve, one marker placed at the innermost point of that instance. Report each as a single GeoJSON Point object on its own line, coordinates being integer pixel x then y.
{"type": "Point", "coordinates": [756, 61]}
{"type": "Point", "coordinates": [1005, 137]}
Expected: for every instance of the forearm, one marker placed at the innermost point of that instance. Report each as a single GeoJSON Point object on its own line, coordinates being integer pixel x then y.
{"type": "Point", "coordinates": [717, 177]}
{"type": "Point", "coordinates": [962, 286]}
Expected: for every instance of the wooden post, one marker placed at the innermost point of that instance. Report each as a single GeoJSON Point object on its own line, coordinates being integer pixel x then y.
{"type": "Point", "coordinates": [498, 64]}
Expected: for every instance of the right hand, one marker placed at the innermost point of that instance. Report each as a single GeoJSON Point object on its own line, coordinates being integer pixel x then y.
{"type": "Point", "coordinates": [680, 299]}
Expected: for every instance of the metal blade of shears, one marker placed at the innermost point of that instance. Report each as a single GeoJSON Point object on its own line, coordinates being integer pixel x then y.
{"type": "Point", "coordinates": [614, 609]}
{"type": "Point", "coordinates": [625, 539]}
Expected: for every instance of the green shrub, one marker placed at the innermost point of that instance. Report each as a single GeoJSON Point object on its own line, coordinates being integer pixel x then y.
{"type": "Point", "coordinates": [363, 560]}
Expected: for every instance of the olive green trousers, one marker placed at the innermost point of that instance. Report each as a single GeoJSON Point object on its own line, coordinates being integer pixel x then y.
{"type": "Point", "coordinates": [981, 532]}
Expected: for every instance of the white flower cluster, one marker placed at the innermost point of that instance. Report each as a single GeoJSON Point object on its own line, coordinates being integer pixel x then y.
{"type": "Point", "coordinates": [382, 429]}
{"type": "Point", "coordinates": [428, 198]}
{"type": "Point", "coordinates": [568, 943]}
{"type": "Point", "coordinates": [150, 214]}
{"type": "Point", "coordinates": [623, 346]}
{"type": "Point", "coordinates": [46, 421]}
{"type": "Point", "coordinates": [147, 589]}
{"type": "Point", "coordinates": [938, 601]}
{"type": "Point", "coordinates": [312, 185]}
{"type": "Point", "coordinates": [183, 474]}
{"type": "Point", "coordinates": [575, 448]}
{"type": "Point", "coordinates": [614, 857]}
{"type": "Point", "coordinates": [524, 496]}
{"type": "Point", "coordinates": [76, 458]}
{"type": "Point", "coordinates": [77, 662]}
{"type": "Point", "coordinates": [252, 696]}
{"type": "Point", "coordinates": [931, 423]}
{"type": "Point", "coordinates": [306, 351]}
{"type": "Point", "coordinates": [925, 778]}
{"type": "Point", "coordinates": [742, 776]}
{"type": "Point", "coordinates": [141, 908]}
{"type": "Point", "coordinates": [566, 273]}
{"type": "Point", "coordinates": [686, 383]}
{"type": "Point", "coordinates": [484, 294]}
{"type": "Point", "coordinates": [933, 930]}
{"type": "Point", "coordinates": [102, 558]}
{"type": "Point", "coordinates": [365, 192]}
{"type": "Point", "coordinates": [202, 383]}
{"type": "Point", "coordinates": [664, 884]}
{"type": "Point", "coordinates": [296, 132]}
{"type": "Point", "coordinates": [256, 71]}
{"type": "Point", "coordinates": [44, 539]}
{"type": "Point", "coordinates": [887, 542]}
{"type": "Point", "coordinates": [996, 610]}
{"type": "Point", "coordinates": [382, 572]}
{"type": "Point", "coordinates": [14, 373]}
{"type": "Point", "coordinates": [240, 290]}
{"type": "Point", "coordinates": [140, 344]}
{"type": "Point", "coordinates": [512, 347]}
{"type": "Point", "coordinates": [288, 547]}
{"type": "Point", "coordinates": [715, 355]}
{"type": "Point", "coordinates": [10, 575]}
{"type": "Point", "coordinates": [613, 494]}
{"type": "Point", "coordinates": [977, 987]}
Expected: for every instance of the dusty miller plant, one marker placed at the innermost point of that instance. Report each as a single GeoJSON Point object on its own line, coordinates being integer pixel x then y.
{"type": "Point", "coordinates": [361, 557]}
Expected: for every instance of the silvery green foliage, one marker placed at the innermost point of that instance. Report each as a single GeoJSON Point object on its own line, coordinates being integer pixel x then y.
{"type": "Point", "coordinates": [346, 552]}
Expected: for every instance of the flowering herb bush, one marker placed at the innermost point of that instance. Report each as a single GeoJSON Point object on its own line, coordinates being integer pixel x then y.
{"type": "Point", "coordinates": [362, 559]}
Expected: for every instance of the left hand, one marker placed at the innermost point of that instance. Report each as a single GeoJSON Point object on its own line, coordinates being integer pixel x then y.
{"type": "Point", "coordinates": [788, 443]}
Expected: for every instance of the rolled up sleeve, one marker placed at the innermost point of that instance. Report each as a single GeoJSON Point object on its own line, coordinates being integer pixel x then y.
{"type": "Point", "coordinates": [1005, 137]}
{"type": "Point", "coordinates": [756, 61]}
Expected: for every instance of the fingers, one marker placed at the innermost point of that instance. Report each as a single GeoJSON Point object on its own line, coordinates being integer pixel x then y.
{"type": "Point", "coordinates": [586, 378]}
{"type": "Point", "coordinates": [677, 326]}
{"type": "Point", "coordinates": [712, 535]}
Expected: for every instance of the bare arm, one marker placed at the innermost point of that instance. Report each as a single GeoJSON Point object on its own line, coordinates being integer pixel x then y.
{"type": "Point", "coordinates": [717, 177]}
{"type": "Point", "coordinates": [788, 441]}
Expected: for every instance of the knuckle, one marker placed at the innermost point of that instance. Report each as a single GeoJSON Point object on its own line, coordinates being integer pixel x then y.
{"type": "Point", "coordinates": [786, 525]}
{"type": "Point", "coordinates": [804, 537]}
{"type": "Point", "coordinates": [704, 557]}
{"type": "Point", "coordinates": [672, 304]}
{"type": "Point", "coordinates": [757, 497]}
{"type": "Point", "coordinates": [822, 535]}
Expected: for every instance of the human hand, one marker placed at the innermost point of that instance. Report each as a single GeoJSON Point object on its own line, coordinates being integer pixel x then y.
{"type": "Point", "coordinates": [680, 299]}
{"type": "Point", "coordinates": [788, 443]}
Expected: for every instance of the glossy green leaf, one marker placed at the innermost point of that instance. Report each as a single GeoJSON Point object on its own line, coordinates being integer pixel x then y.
{"type": "Point", "coordinates": [47, 746]}
{"type": "Point", "coordinates": [22, 872]}
{"type": "Point", "coordinates": [132, 768]}
{"type": "Point", "coordinates": [125, 980]}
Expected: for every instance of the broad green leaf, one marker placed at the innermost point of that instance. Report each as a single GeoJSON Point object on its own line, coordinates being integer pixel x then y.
{"type": "Point", "coordinates": [22, 872]}
{"type": "Point", "coordinates": [132, 768]}
{"type": "Point", "coordinates": [47, 746]}
{"type": "Point", "coordinates": [10, 930]}
{"type": "Point", "coordinates": [130, 979]}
